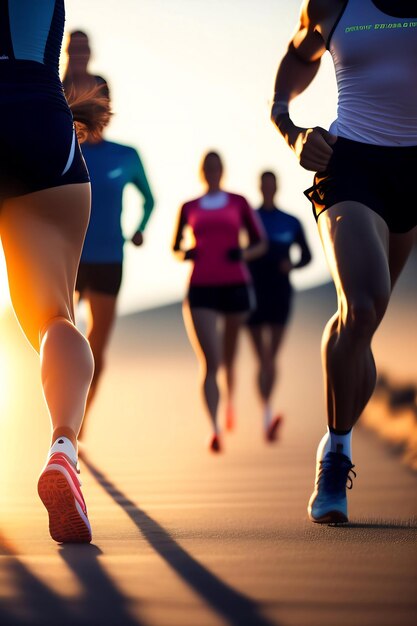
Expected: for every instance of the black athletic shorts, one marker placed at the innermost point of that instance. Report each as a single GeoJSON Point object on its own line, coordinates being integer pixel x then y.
{"type": "Point", "coordinates": [104, 278]}
{"type": "Point", "coordinates": [38, 144]}
{"type": "Point", "coordinates": [381, 177]}
{"type": "Point", "coordinates": [273, 304]}
{"type": "Point", "coordinates": [222, 298]}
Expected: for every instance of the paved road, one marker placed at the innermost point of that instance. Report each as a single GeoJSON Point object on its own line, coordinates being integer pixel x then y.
{"type": "Point", "coordinates": [187, 539]}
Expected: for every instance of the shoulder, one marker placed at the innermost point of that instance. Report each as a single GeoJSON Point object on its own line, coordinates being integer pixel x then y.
{"type": "Point", "coordinates": [100, 80]}
{"type": "Point", "coordinates": [189, 205]}
{"type": "Point", "coordinates": [121, 148]}
{"type": "Point", "coordinates": [238, 199]}
{"type": "Point", "coordinates": [288, 216]}
{"type": "Point", "coordinates": [315, 12]}
{"type": "Point", "coordinates": [294, 221]}
{"type": "Point", "coordinates": [317, 19]}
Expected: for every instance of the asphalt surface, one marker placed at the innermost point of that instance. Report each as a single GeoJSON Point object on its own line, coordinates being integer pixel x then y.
{"type": "Point", "coordinates": [185, 538]}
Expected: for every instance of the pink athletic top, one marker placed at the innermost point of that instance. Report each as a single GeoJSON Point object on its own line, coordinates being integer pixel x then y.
{"type": "Point", "coordinates": [216, 231]}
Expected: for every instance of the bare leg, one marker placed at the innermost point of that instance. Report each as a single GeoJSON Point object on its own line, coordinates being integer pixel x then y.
{"type": "Point", "coordinates": [233, 323]}
{"type": "Point", "coordinates": [42, 235]}
{"type": "Point", "coordinates": [356, 243]}
{"type": "Point", "coordinates": [203, 330]}
{"type": "Point", "coordinates": [399, 250]}
{"type": "Point", "coordinates": [267, 340]}
{"type": "Point", "coordinates": [102, 310]}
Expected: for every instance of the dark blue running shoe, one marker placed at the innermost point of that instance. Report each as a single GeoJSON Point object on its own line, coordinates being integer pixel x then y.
{"type": "Point", "coordinates": [328, 503]}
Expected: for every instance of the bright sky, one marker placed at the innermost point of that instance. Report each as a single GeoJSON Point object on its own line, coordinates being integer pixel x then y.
{"type": "Point", "coordinates": [192, 75]}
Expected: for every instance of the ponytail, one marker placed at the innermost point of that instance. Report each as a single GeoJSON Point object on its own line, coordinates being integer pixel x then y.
{"type": "Point", "coordinates": [91, 112]}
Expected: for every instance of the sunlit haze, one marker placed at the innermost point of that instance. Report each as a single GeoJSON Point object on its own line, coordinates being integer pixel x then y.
{"type": "Point", "coordinates": [192, 75]}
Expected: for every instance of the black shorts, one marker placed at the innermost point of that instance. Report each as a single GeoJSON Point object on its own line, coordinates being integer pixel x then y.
{"type": "Point", "coordinates": [104, 278]}
{"type": "Point", "coordinates": [38, 148]}
{"type": "Point", "coordinates": [273, 305]}
{"type": "Point", "coordinates": [380, 177]}
{"type": "Point", "coordinates": [222, 298]}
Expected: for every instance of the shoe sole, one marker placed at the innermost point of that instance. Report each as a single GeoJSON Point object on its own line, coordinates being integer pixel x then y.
{"type": "Point", "coordinates": [331, 517]}
{"type": "Point", "coordinates": [67, 522]}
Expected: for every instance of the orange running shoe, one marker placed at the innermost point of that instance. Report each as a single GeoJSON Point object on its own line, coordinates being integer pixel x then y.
{"type": "Point", "coordinates": [60, 490]}
{"type": "Point", "coordinates": [271, 433]}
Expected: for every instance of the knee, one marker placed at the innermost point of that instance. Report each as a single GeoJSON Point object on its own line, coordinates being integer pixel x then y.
{"type": "Point", "coordinates": [363, 316]}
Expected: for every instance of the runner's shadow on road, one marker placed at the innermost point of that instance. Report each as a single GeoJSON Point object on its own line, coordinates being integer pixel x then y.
{"type": "Point", "coordinates": [102, 603]}
{"type": "Point", "coordinates": [27, 601]}
{"type": "Point", "coordinates": [232, 606]}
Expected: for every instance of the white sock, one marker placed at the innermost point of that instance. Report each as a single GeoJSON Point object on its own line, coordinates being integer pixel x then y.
{"type": "Point", "coordinates": [64, 445]}
{"type": "Point", "coordinates": [332, 442]}
{"type": "Point", "coordinates": [267, 416]}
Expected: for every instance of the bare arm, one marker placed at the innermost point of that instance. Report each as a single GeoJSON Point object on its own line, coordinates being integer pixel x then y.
{"type": "Point", "coordinates": [305, 250]}
{"type": "Point", "coordinates": [140, 180]}
{"type": "Point", "coordinates": [179, 232]}
{"type": "Point", "coordinates": [296, 71]}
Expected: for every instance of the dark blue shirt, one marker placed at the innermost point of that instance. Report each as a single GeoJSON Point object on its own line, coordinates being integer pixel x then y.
{"type": "Point", "coordinates": [283, 231]}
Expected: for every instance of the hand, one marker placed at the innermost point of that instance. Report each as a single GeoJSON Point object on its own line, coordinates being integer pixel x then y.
{"type": "Point", "coordinates": [137, 238]}
{"type": "Point", "coordinates": [313, 147]}
{"type": "Point", "coordinates": [190, 255]}
{"type": "Point", "coordinates": [285, 266]}
{"type": "Point", "coordinates": [235, 254]}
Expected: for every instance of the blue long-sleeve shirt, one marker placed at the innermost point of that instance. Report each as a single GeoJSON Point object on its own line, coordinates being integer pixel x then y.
{"type": "Point", "coordinates": [111, 166]}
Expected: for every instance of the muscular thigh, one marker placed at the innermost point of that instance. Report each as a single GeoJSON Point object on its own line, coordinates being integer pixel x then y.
{"type": "Point", "coordinates": [356, 244]}
{"type": "Point", "coordinates": [42, 235]}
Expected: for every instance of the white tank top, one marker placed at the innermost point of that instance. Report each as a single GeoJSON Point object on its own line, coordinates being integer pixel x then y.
{"type": "Point", "coordinates": [375, 58]}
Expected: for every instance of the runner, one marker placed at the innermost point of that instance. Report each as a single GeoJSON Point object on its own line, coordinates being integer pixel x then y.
{"type": "Point", "coordinates": [220, 294]}
{"type": "Point", "coordinates": [111, 166]}
{"type": "Point", "coordinates": [77, 78]}
{"type": "Point", "coordinates": [45, 206]}
{"type": "Point", "coordinates": [271, 279]}
{"type": "Point", "coordinates": [362, 196]}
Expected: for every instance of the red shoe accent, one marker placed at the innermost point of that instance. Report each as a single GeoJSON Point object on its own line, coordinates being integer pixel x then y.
{"type": "Point", "coordinates": [214, 443]}
{"type": "Point", "coordinates": [59, 489]}
{"type": "Point", "coordinates": [271, 433]}
{"type": "Point", "coordinates": [230, 418]}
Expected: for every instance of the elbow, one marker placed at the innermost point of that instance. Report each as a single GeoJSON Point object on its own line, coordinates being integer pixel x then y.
{"type": "Point", "coordinates": [149, 205]}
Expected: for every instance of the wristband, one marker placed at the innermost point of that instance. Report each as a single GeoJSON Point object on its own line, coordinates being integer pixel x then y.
{"type": "Point", "coordinates": [279, 108]}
